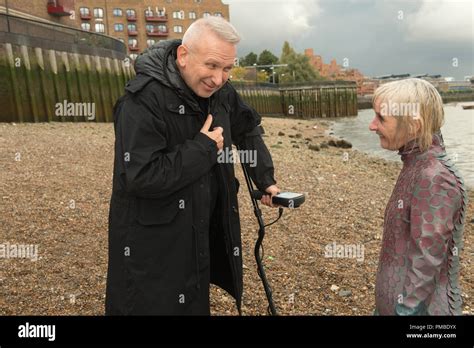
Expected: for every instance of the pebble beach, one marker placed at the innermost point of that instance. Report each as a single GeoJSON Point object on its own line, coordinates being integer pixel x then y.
{"type": "Point", "coordinates": [56, 182]}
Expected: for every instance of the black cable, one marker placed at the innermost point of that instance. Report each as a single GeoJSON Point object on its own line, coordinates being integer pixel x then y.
{"type": "Point", "coordinates": [280, 213]}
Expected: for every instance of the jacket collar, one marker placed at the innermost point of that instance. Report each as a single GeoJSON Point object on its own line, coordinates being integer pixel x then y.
{"type": "Point", "coordinates": [412, 149]}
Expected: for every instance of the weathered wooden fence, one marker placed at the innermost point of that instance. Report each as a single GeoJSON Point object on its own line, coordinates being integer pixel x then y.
{"type": "Point", "coordinates": [320, 99]}
{"type": "Point", "coordinates": [266, 100]}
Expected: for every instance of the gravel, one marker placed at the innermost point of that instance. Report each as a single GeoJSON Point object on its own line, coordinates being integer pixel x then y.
{"type": "Point", "coordinates": [55, 187]}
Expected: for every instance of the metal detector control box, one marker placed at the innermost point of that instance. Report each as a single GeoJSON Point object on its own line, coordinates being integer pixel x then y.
{"type": "Point", "coordinates": [285, 199]}
{"type": "Point", "coordinates": [289, 199]}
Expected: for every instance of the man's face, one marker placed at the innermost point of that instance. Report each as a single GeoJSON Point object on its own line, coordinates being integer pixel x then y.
{"type": "Point", "coordinates": [205, 66]}
{"type": "Point", "coordinates": [386, 128]}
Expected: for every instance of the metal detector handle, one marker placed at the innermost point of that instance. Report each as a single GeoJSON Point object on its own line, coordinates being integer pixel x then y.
{"type": "Point", "coordinates": [257, 194]}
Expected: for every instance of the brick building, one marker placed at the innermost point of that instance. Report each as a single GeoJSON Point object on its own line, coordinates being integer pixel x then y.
{"type": "Point", "coordinates": [137, 23]}
{"type": "Point", "coordinates": [333, 71]}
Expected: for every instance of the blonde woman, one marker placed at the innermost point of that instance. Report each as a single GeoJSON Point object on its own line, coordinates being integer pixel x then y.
{"type": "Point", "coordinates": [418, 272]}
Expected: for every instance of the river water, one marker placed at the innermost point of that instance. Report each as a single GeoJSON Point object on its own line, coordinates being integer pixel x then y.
{"type": "Point", "coordinates": [458, 134]}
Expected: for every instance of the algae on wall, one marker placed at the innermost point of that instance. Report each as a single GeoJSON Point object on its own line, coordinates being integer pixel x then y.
{"type": "Point", "coordinates": [38, 83]}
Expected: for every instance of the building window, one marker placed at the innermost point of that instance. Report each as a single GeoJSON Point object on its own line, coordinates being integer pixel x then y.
{"type": "Point", "coordinates": [148, 13]}
{"type": "Point", "coordinates": [99, 28]}
{"type": "Point", "coordinates": [118, 27]}
{"type": "Point", "coordinates": [150, 28]}
{"type": "Point", "coordinates": [98, 13]}
{"type": "Point", "coordinates": [130, 13]}
{"type": "Point", "coordinates": [218, 14]}
{"type": "Point", "coordinates": [192, 15]}
{"type": "Point", "coordinates": [178, 14]}
{"type": "Point", "coordinates": [132, 42]}
{"type": "Point", "coordinates": [117, 12]}
{"type": "Point", "coordinates": [162, 28]}
{"type": "Point", "coordinates": [86, 26]}
{"type": "Point", "coordinates": [197, 1]}
{"type": "Point", "coordinates": [132, 27]}
{"type": "Point", "coordinates": [150, 42]}
{"type": "Point", "coordinates": [206, 14]}
{"type": "Point", "coordinates": [84, 11]}
{"type": "Point", "coordinates": [178, 29]}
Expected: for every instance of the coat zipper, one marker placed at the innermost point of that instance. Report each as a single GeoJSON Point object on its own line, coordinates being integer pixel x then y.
{"type": "Point", "coordinates": [196, 232]}
{"type": "Point", "coordinates": [229, 225]}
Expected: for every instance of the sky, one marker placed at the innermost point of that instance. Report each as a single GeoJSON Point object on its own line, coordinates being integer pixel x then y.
{"type": "Point", "coordinates": [375, 36]}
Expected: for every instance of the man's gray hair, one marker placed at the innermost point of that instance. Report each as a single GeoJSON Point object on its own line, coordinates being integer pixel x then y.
{"type": "Point", "coordinates": [217, 25]}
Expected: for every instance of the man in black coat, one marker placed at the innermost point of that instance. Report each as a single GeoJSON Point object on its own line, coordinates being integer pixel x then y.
{"type": "Point", "coordinates": [174, 221]}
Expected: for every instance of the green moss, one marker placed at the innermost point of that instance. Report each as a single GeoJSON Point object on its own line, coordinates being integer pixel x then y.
{"type": "Point", "coordinates": [8, 94]}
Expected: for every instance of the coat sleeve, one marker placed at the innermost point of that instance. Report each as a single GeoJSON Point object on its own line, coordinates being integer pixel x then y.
{"type": "Point", "coordinates": [149, 169]}
{"type": "Point", "coordinates": [246, 135]}
{"type": "Point", "coordinates": [432, 216]}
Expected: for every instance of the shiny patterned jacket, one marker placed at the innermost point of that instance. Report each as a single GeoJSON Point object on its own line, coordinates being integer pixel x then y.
{"type": "Point", "coordinates": [418, 272]}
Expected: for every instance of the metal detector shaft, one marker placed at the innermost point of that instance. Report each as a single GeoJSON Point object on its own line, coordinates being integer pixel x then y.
{"type": "Point", "coordinates": [258, 244]}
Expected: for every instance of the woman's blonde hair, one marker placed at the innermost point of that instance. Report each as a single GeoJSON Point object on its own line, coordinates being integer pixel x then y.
{"type": "Point", "coordinates": [414, 101]}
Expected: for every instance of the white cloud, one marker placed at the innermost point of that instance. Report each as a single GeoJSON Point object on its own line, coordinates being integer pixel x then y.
{"type": "Point", "coordinates": [442, 20]}
{"type": "Point", "coordinates": [264, 21]}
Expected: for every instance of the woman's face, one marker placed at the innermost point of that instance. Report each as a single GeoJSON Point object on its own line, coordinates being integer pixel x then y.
{"type": "Point", "coordinates": [386, 128]}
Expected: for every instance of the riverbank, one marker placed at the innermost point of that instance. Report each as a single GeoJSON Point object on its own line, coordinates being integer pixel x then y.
{"type": "Point", "coordinates": [55, 190]}
{"type": "Point", "coordinates": [365, 102]}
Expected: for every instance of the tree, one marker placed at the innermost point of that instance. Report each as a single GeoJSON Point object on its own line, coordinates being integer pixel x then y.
{"type": "Point", "coordinates": [241, 74]}
{"type": "Point", "coordinates": [267, 58]}
{"type": "Point", "coordinates": [299, 69]}
{"type": "Point", "coordinates": [262, 76]}
{"type": "Point", "coordinates": [249, 59]}
{"type": "Point", "coordinates": [238, 73]}
{"type": "Point", "coordinates": [287, 51]}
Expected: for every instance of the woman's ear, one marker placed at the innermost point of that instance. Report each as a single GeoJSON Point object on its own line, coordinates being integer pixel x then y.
{"type": "Point", "coordinates": [417, 127]}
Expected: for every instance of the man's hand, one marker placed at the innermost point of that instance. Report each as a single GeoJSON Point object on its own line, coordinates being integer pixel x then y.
{"type": "Point", "coordinates": [215, 134]}
{"type": "Point", "coordinates": [273, 190]}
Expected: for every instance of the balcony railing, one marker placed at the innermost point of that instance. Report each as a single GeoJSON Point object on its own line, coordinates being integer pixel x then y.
{"type": "Point", "coordinates": [133, 48]}
{"type": "Point", "coordinates": [86, 16]}
{"type": "Point", "coordinates": [152, 18]}
{"type": "Point", "coordinates": [132, 32]}
{"type": "Point", "coordinates": [59, 8]}
{"type": "Point", "coordinates": [157, 33]}
{"type": "Point", "coordinates": [131, 18]}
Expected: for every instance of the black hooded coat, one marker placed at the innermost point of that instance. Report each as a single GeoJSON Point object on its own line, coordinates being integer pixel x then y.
{"type": "Point", "coordinates": [165, 245]}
